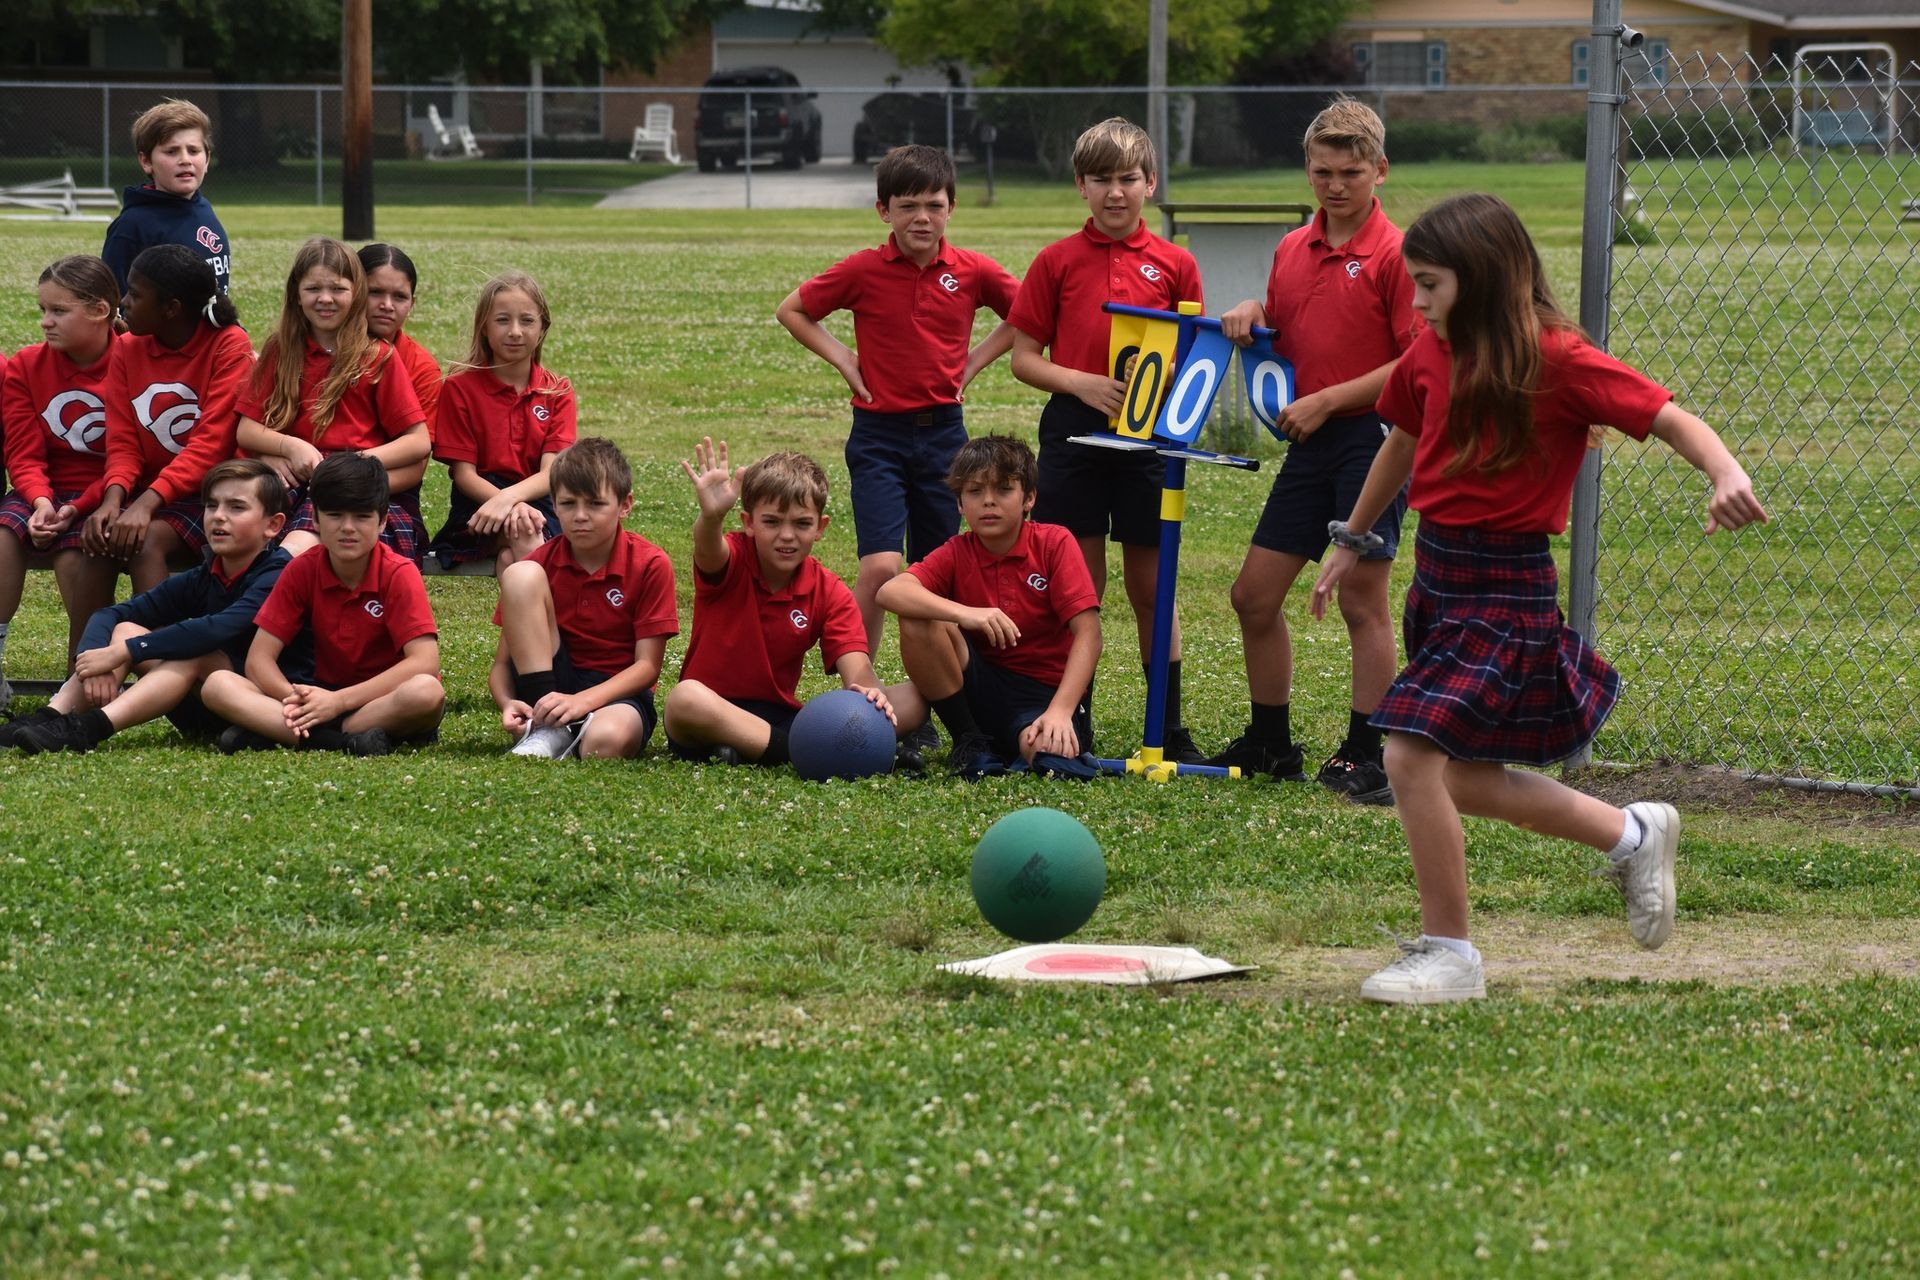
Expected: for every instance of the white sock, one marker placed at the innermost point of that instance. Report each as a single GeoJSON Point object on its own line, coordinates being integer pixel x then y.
{"type": "Point", "coordinates": [1630, 838]}
{"type": "Point", "coordinates": [1459, 946]}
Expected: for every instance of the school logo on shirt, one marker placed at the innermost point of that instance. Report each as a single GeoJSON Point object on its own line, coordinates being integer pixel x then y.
{"type": "Point", "coordinates": [948, 282]}
{"type": "Point", "coordinates": [1038, 581]}
{"type": "Point", "coordinates": [541, 412]}
{"type": "Point", "coordinates": [375, 609]}
{"type": "Point", "coordinates": [798, 619]}
{"type": "Point", "coordinates": [1353, 269]}
{"type": "Point", "coordinates": [171, 425]}
{"type": "Point", "coordinates": [1150, 271]}
{"type": "Point", "coordinates": [209, 240]}
{"type": "Point", "coordinates": [80, 430]}
{"type": "Point", "coordinates": [616, 597]}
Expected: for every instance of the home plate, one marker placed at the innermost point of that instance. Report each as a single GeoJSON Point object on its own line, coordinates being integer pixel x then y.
{"type": "Point", "coordinates": [1088, 962]}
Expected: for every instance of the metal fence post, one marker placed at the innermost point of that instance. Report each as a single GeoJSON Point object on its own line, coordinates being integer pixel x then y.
{"type": "Point", "coordinates": [529, 146]}
{"type": "Point", "coordinates": [1596, 271]}
{"type": "Point", "coordinates": [947, 98]}
{"type": "Point", "coordinates": [319, 151]}
{"type": "Point", "coordinates": [106, 135]}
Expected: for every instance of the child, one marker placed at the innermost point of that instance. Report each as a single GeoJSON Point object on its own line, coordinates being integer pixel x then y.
{"type": "Point", "coordinates": [584, 620]}
{"type": "Point", "coordinates": [173, 141]}
{"type": "Point", "coordinates": [1113, 258]}
{"type": "Point", "coordinates": [53, 418]}
{"type": "Point", "coordinates": [760, 601]}
{"type": "Point", "coordinates": [1342, 304]}
{"type": "Point", "coordinates": [324, 385]}
{"type": "Point", "coordinates": [176, 635]}
{"type": "Point", "coordinates": [392, 286]}
{"type": "Point", "coordinates": [1000, 627]}
{"type": "Point", "coordinates": [913, 301]}
{"type": "Point", "coordinates": [179, 373]}
{"type": "Point", "coordinates": [373, 677]}
{"type": "Point", "coordinates": [1490, 412]}
{"type": "Point", "coordinates": [503, 420]}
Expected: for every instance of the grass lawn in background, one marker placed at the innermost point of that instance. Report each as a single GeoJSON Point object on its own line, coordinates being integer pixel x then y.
{"type": "Point", "coordinates": [449, 1012]}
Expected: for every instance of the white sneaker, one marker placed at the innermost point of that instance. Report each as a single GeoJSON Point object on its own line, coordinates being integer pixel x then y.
{"type": "Point", "coordinates": [1426, 973]}
{"type": "Point", "coordinates": [551, 742]}
{"type": "Point", "coordinates": [1645, 876]}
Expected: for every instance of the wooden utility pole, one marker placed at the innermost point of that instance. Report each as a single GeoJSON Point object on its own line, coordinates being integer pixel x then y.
{"type": "Point", "coordinates": [1157, 94]}
{"type": "Point", "coordinates": [356, 98]}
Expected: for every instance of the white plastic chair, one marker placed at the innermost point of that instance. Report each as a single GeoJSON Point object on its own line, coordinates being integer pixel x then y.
{"type": "Point", "coordinates": [656, 137]}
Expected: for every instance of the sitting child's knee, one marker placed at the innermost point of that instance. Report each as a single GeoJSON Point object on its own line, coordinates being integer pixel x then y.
{"type": "Point", "coordinates": [522, 577]}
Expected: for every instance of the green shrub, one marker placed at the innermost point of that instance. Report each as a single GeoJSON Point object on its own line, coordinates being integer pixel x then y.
{"type": "Point", "coordinates": [1691, 134]}
{"type": "Point", "coordinates": [1415, 141]}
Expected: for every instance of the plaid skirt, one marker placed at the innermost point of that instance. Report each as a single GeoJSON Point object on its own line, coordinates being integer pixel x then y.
{"type": "Point", "coordinates": [184, 518]}
{"type": "Point", "coordinates": [406, 532]}
{"type": "Point", "coordinates": [15, 511]}
{"type": "Point", "coordinates": [456, 544]}
{"type": "Point", "coordinates": [1494, 674]}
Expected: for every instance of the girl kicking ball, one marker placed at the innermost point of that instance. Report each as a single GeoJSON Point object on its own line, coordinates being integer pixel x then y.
{"type": "Point", "coordinates": [1490, 408]}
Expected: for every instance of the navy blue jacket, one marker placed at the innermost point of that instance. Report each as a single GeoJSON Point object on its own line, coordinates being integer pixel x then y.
{"type": "Point", "coordinates": [150, 216]}
{"type": "Point", "coordinates": [191, 614]}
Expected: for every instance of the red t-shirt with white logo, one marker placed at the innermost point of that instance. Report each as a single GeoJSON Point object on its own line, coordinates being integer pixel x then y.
{"type": "Point", "coordinates": [1340, 313]}
{"type": "Point", "coordinates": [1041, 583]}
{"type": "Point", "coordinates": [1064, 290]}
{"type": "Point", "coordinates": [424, 371]}
{"type": "Point", "coordinates": [53, 421]}
{"type": "Point", "coordinates": [912, 325]}
{"type": "Point", "coordinates": [358, 632]}
{"type": "Point", "coordinates": [605, 614]}
{"type": "Point", "coordinates": [173, 413]}
{"type": "Point", "coordinates": [748, 640]}
{"type": "Point", "coordinates": [1579, 385]}
{"type": "Point", "coordinates": [378, 406]}
{"type": "Point", "coordinates": [502, 430]}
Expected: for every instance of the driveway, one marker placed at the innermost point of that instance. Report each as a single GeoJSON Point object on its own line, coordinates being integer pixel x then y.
{"type": "Point", "coordinates": [834, 183]}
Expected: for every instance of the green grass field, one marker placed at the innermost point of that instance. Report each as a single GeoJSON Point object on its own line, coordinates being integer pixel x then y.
{"type": "Point", "coordinates": [450, 1013]}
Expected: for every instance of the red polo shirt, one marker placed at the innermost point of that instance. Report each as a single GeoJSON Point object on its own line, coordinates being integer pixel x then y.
{"type": "Point", "coordinates": [605, 614]}
{"type": "Point", "coordinates": [1041, 583]}
{"type": "Point", "coordinates": [1579, 386]}
{"type": "Point", "coordinates": [424, 371]}
{"type": "Point", "coordinates": [53, 422]}
{"type": "Point", "coordinates": [913, 325]}
{"type": "Point", "coordinates": [500, 430]}
{"type": "Point", "coordinates": [173, 414]}
{"type": "Point", "coordinates": [1060, 299]}
{"type": "Point", "coordinates": [378, 406]}
{"type": "Point", "coordinates": [1340, 313]}
{"type": "Point", "coordinates": [748, 640]}
{"type": "Point", "coordinates": [357, 632]}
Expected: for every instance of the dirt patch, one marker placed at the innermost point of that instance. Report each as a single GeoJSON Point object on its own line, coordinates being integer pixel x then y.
{"type": "Point", "coordinates": [1702, 787]}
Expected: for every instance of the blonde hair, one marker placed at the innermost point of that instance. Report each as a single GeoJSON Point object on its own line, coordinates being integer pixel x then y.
{"type": "Point", "coordinates": [481, 356]}
{"type": "Point", "coordinates": [166, 118]}
{"type": "Point", "coordinates": [1115, 145]}
{"type": "Point", "coordinates": [784, 480]}
{"type": "Point", "coordinates": [356, 353]}
{"type": "Point", "coordinates": [1347, 125]}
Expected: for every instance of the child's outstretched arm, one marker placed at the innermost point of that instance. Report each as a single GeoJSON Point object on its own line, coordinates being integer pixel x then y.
{"type": "Point", "coordinates": [1391, 467]}
{"type": "Point", "coordinates": [1733, 504]}
{"type": "Point", "coordinates": [718, 492]}
{"type": "Point", "coordinates": [810, 334]}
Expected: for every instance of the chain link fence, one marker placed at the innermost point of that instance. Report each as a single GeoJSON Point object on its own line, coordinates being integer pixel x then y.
{"type": "Point", "coordinates": [1763, 267]}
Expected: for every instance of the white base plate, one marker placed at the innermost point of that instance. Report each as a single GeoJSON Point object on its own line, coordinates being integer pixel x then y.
{"type": "Point", "coordinates": [1119, 966]}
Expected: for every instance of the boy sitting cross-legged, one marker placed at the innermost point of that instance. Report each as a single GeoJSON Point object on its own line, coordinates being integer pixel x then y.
{"type": "Point", "coordinates": [584, 620]}
{"type": "Point", "coordinates": [190, 626]}
{"type": "Point", "coordinates": [1000, 626]}
{"type": "Point", "coordinates": [760, 602]}
{"type": "Point", "coordinates": [373, 674]}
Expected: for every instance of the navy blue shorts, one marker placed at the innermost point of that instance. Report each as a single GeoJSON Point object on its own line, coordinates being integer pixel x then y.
{"type": "Point", "coordinates": [1320, 479]}
{"type": "Point", "coordinates": [777, 714]}
{"type": "Point", "coordinates": [1091, 490]}
{"type": "Point", "coordinates": [897, 464]}
{"type": "Point", "coordinates": [568, 678]}
{"type": "Point", "coordinates": [1005, 702]}
{"type": "Point", "coordinates": [456, 544]}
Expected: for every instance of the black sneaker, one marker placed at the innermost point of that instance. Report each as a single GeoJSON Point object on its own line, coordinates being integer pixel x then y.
{"type": "Point", "coordinates": [53, 734]}
{"type": "Point", "coordinates": [1181, 748]}
{"type": "Point", "coordinates": [1361, 781]}
{"type": "Point", "coordinates": [728, 756]}
{"type": "Point", "coordinates": [1250, 755]}
{"type": "Point", "coordinates": [237, 738]}
{"type": "Point", "coordinates": [368, 742]}
{"type": "Point", "coordinates": [907, 757]}
{"type": "Point", "coordinates": [974, 758]}
{"type": "Point", "coordinates": [924, 739]}
{"type": "Point", "coordinates": [10, 731]}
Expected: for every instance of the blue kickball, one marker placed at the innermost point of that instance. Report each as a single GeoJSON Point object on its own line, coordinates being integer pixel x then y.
{"type": "Point", "coordinates": [840, 735]}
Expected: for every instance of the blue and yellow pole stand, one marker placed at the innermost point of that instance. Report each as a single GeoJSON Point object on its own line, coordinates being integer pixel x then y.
{"type": "Point", "coordinates": [1150, 761]}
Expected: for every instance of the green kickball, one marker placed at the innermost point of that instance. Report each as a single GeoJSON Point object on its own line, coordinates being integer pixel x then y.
{"type": "Point", "coordinates": [1038, 875]}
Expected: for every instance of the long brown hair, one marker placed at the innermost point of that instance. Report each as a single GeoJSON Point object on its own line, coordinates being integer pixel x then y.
{"type": "Point", "coordinates": [1502, 307]}
{"type": "Point", "coordinates": [480, 353]}
{"type": "Point", "coordinates": [356, 353]}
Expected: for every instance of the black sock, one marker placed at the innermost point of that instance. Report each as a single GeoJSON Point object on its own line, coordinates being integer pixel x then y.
{"type": "Point", "coordinates": [531, 686]}
{"type": "Point", "coordinates": [95, 728]}
{"type": "Point", "coordinates": [956, 713]}
{"type": "Point", "coordinates": [1273, 725]}
{"type": "Point", "coordinates": [1363, 740]}
{"type": "Point", "coordinates": [776, 752]}
{"type": "Point", "coordinates": [1172, 701]}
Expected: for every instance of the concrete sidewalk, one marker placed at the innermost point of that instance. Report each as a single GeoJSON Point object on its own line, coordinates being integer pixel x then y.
{"type": "Point", "coordinates": [834, 183]}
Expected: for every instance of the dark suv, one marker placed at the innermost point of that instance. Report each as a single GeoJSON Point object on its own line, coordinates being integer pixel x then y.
{"type": "Point", "coordinates": [786, 123]}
